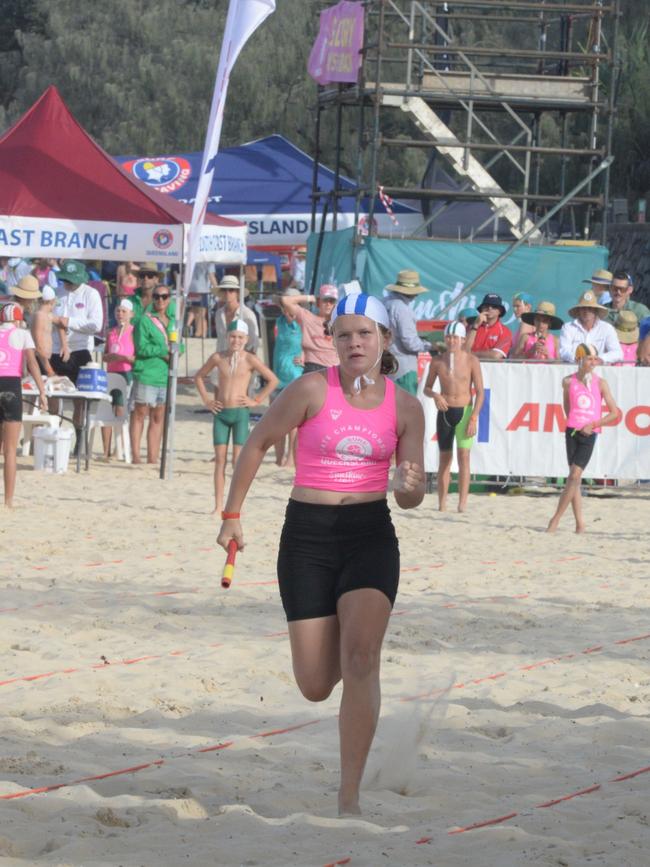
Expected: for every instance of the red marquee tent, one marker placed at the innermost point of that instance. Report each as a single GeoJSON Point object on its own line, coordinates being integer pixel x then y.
{"type": "Point", "coordinates": [62, 195]}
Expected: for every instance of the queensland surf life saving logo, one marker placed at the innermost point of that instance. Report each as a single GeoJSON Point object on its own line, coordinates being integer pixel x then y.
{"type": "Point", "coordinates": [165, 174]}
{"type": "Point", "coordinates": [351, 447]}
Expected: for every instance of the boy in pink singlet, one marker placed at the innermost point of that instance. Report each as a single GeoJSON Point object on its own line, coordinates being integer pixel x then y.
{"type": "Point", "coordinates": [584, 393]}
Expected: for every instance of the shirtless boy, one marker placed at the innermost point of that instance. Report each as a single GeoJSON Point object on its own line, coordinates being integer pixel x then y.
{"type": "Point", "coordinates": [231, 404]}
{"type": "Point", "coordinates": [42, 332]}
{"type": "Point", "coordinates": [459, 372]}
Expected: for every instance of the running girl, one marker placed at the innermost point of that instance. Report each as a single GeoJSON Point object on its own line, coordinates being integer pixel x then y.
{"type": "Point", "coordinates": [584, 393]}
{"type": "Point", "coordinates": [338, 564]}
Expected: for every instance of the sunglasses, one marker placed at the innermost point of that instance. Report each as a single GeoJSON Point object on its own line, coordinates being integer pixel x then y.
{"type": "Point", "coordinates": [158, 297]}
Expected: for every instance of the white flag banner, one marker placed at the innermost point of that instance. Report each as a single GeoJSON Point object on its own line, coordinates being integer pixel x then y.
{"type": "Point", "coordinates": [244, 17]}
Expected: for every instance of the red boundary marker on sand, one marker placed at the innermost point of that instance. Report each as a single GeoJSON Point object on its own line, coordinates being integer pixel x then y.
{"type": "Point", "coordinates": [225, 745]}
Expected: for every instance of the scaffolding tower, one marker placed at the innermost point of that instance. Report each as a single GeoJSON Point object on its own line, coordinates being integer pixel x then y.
{"type": "Point", "coordinates": [516, 96]}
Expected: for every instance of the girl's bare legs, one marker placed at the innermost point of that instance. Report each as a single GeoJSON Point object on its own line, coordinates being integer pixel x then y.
{"type": "Point", "coordinates": [315, 654]}
{"type": "Point", "coordinates": [154, 433]}
{"type": "Point", "coordinates": [9, 435]}
{"type": "Point", "coordinates": [136, 426]}
{"type": "Point", "coordinates": [463, 479]}
{"type": "Point", "coordinates": [568, 495]}
{"type": "Point", "coordinates": [444, 475]}
{"type": "Point", "coordinates": [220, 453]}
{"type": "Point", "coordinates": [348, 646]}
{"type": "Point", "coordinates": [363, 617]}
{"type": "Point", "coordinates": [576, 504]}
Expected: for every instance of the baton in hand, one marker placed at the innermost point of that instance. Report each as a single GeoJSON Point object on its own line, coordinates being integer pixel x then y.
{"type": "Point", "coordinates": [229, 568]}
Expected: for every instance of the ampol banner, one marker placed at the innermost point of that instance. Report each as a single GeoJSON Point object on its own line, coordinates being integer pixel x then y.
{"type": "Point", "coordinates": [336, 54]}
{"type": "Point", "coordinates": [521, 426]}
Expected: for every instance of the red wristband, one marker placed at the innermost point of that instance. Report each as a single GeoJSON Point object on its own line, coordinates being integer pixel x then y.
{"type": "Point", "coordinates": [227, 516]}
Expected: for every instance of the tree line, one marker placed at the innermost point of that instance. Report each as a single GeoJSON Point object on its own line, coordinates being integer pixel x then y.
{"type": "Point", "coordinates": [139, 75]}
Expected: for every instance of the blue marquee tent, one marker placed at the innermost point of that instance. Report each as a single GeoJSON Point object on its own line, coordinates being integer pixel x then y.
{"type": "Point", "coordinates": [267, 183]}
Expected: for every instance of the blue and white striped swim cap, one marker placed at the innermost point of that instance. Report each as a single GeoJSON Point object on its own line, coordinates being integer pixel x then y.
{"type": "Point", "coordinates": [361, 304]}
{"type": "Point", "coordinates": [455, 329]}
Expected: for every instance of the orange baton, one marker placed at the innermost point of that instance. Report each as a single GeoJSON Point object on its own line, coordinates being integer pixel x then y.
{"type": "Point", "coordinates": [229, 568]}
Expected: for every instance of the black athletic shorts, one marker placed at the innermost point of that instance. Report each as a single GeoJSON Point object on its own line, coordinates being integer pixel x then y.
{"type": "Point", "coordinates": [326, 551]}
{"type": "Point", "coordinates": [70, 368]}
{"type": "Point", "coordinates": [579, 447]}
{"type": "Point", "coordinates": [11, 400]}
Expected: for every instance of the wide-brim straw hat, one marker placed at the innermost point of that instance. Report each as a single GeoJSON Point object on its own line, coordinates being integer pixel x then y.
{"type": "Point", "coordinates": [149, 268]}
{"type": "Point", "coordinates": [544, 308]}
{"type": "Point", "coordinates": [627, 326]}
{"type": "Point", "coordinates": [228, 281]}
{"type": "Point", "coordinates": [601, 277]}
{"type": "Point", "coordinates": [27, 288]}
{"type": "Point", "coordinates": [407, 283]}
{"type": "Point", "coordinates": [588, 300]}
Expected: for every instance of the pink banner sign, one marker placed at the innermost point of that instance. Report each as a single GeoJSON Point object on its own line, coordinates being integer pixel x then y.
{"type": "Point", "coordinates": [336, 55]}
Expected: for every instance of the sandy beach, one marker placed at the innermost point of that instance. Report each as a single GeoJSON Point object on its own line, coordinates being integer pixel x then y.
{"type": "Point", "coordinates": [148, 717]}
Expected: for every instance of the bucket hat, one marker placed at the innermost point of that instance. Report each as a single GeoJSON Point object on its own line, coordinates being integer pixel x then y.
{"type": "Point", "coordinates": [149, 268]}
{"type": "Point", "coordinates": [627, 327]}
{"type": "Point", "coordinates": [493, 300]}
{"type": "Point", "coordinates": [73, 272]}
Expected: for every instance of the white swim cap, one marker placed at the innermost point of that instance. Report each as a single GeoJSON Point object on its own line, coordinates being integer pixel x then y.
{"type": "Point", "coordinates": [238, 325]}
{"type": "Point", "coordinates": [361, 304]}
{"type": "Point", "coordinates": [455, 329]}
{"type": "Point", "coordinates": [48, 293]}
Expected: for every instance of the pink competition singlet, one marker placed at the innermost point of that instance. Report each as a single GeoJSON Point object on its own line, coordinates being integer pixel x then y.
{"type": "Point", "coordinates": [347, 449]}
{"type": "Point", "coordinates": [584, 402]}
{"type": "Point", "coordinates": [11, 360]}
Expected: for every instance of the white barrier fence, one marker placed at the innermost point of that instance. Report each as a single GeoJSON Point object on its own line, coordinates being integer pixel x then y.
{"type": "Point", "coordinates": [521, 426]}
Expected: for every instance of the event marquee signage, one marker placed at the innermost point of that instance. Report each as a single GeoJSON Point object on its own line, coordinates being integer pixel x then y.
{"type": "Point", "coordinates": [32, 237]}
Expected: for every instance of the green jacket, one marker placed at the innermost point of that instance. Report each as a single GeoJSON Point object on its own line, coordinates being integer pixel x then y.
{"type": "Point", "coordinates": [151, 350]}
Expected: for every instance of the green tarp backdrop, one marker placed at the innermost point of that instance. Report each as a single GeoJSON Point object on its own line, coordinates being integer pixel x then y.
{"type": "Point", "coordinates": [547, 273]}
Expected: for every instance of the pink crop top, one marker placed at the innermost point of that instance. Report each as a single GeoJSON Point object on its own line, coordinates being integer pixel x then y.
{"type": "Point", "coordinates": [343, 448]}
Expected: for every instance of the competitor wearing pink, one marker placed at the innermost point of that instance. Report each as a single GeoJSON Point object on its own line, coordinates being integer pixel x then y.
{"type": "Point", "coordinates": [338, 564]}
{"type": "Point", "coordinates": [16, 346]}
{"type": "Point", "coordinates": [584, 393]}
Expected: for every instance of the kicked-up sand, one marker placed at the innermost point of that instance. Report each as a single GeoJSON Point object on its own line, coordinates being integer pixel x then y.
{"type": "Point", "coordinates": [148, 717]}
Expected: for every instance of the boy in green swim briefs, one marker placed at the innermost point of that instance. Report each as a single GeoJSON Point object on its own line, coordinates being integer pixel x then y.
{"type": "Point", "coordinates": [459, 373]}
{"type": "Point", "coordinates": [231, 403]}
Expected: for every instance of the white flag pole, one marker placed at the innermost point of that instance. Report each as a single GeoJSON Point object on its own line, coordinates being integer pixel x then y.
{"type": "Point", "coordinates": [244, 17]}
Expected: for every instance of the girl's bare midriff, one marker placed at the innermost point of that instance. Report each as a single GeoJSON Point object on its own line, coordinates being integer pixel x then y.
{"type": "Point", "coordinates": [334, 498]}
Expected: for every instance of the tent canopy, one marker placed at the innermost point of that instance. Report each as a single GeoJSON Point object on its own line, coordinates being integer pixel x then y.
{"type": "Point", "coordinates": [61, 194]}
{"type": "Point", "coordinates": [268, 183]}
